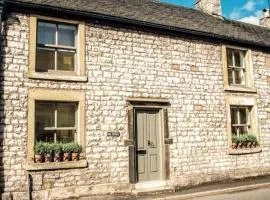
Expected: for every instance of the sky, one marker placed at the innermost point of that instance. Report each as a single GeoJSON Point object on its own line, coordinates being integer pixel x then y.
{"type": "Point", "coordinates": [249, 11]}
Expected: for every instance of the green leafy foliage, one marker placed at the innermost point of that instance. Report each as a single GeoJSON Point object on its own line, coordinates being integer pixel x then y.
{"type": "Point", "coordinates": [57, 147]}
{"type": "Point", "coordinates": [76, 148]}
{"type": "Point", "coordinates": [39, 148]}
{"type": "Point", "coordinates": [234, 139]}
{"type": "Point", "coordinates": [67, 147]}
{"type": "Point", "coordinates": [245, 138]}
{"type": "Point", "coordinates": [49, 147]}
{"type": "Point", "coordinates": [252, 138]}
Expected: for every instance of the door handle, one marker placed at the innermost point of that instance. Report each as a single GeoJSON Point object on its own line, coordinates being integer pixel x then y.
{"type": "Point", "coordinates": [141, 151]}
{"type": "Point", "coordinates": [150, 143]}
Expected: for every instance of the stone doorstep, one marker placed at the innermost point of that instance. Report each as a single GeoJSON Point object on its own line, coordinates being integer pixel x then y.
{"type": "Point", "coordinates": [153, 191]}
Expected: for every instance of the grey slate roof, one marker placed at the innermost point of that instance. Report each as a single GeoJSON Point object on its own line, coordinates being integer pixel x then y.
{"type": "Point", "coordinates": [167, 15]}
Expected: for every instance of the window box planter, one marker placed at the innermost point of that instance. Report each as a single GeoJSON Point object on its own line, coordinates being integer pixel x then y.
{"type": "Point", "coordinates": [245, 141]}
{"type": "Point", "coordinates": [57, 152]}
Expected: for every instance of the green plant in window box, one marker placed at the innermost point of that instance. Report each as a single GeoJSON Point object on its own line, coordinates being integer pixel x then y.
{"type": "Point", "coordinates": [48, 151]}
{"type": "Point", "coordinates": [67, 150]}
{"type": "Point", "coordinates": [57, 149]}
{"type": "Point", "coordinates": [245, 140]}
{"type": "Point", "coordinates": [249, 141]}
{"type": "Point", "coordinates": [253, 140]}
{"type": "Point", "coordinates": [241, 139]}
{"type": "Point", "coordinates": [76, 150]}
{"type": "Point", "coordinates": [234, 141]}
{"type": "Point", "coordinates": [39, 152]}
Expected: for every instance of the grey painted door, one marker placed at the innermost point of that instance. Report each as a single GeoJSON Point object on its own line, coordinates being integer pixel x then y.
{"type": "Point", "coordinates": [148, 145]}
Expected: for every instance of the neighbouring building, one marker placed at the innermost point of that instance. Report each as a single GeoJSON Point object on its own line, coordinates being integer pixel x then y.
{"type": "Point", "coordinates": [158, 96]}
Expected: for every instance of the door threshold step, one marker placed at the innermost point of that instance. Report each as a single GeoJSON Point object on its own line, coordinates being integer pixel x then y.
{"type": "Point", "coordinates": [153, 191]}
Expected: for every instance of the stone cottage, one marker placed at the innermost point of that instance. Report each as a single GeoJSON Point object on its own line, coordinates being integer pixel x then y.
{"type": "Point", "coordinates": [156, 94]}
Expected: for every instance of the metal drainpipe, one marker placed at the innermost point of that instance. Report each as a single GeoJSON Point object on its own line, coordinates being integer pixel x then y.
{"type": "Point", "coordinates": [29, 183]}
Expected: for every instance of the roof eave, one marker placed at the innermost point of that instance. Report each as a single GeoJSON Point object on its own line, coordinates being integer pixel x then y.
{"type": "Point", "coordinates": [24, 7]}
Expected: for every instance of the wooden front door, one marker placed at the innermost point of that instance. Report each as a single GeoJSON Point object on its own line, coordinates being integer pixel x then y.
{"type": "Point", "coordinates": [148, 154]}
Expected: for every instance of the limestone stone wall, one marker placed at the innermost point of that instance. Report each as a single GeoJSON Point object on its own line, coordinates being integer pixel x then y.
{"type": "Point", "coordinates": [124, 63]}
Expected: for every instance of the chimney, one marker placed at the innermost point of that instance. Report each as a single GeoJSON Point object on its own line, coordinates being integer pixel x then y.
{"type": "Point", "coordinates": [265, 20]}
{"type": "Point", "coordinates": [212, 7]}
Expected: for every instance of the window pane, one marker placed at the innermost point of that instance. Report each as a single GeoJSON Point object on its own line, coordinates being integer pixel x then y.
{"type": "Point", "coordinates": [243, 115]}
{"type": "Point", "coordinates": [230, 76]}
{"type": "Point", "coordinates": [65, 136]}
{"type": "Point", "coordinates": [66, 35]}
{"type": "Point", "coordinates": [46, 136]}
{"type": "Point", "coordinates": [243, 130]}
{"type": "Point", "coordinates": [66, 115]}
{"type": "Point", "coordinates": [45, 60]}
{"type": "Point", "coordinates": [46, 33]}
{"type": "Point", "coordinates": [229, 58]}
{"type": "Point", "coordinates": [234, 130]}
{"type": "Point", "coordinates": [238, 74]}
{"type": "Point", "coordinates": [234, 116]}
{"type": "Point", "coordinates": [237, 58]}
{"type": "Point", "coordinates": [65, 60]}
{"type": "Point", "coordinates": [44, 115]}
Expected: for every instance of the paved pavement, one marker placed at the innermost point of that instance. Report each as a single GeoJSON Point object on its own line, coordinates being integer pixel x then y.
{"type": "Point", "coordinates": [257, 188]}
{"type": "Point", "coordinates": [261, 194]}
{"type": "Point", "coordinates": [246, 189]}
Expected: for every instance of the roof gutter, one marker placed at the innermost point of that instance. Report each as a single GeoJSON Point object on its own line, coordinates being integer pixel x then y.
{"type": "Point", "coordinates": [23, 6]}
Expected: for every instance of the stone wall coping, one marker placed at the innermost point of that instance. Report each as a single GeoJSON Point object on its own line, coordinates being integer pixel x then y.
{"type": "Point", "coordinates": [244, 151]}
{"type": "Point", "coordinates": [54, 76]}
{"type": "Point", "coordinates": [31, 166]}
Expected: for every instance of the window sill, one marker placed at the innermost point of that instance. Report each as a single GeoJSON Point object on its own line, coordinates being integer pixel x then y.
{"type": "Point", "coordinates": [235, 88]}
{"type": "Point", "coordinates": [57, 76]}
{"type": "Point", "coordinates": [244, 151]}
{"type": "Point", "coordinates": [31, 166]}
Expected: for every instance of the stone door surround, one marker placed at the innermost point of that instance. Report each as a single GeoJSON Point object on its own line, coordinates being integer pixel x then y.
{"type": "Point", "coordinates": [132, 105]}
